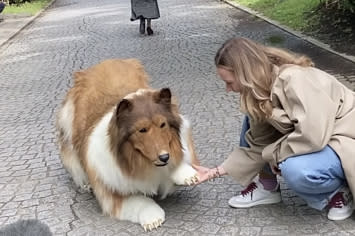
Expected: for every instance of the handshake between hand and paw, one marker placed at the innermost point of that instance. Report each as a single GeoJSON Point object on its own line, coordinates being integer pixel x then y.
{"type": "Point", "coordinates": [205, 173]}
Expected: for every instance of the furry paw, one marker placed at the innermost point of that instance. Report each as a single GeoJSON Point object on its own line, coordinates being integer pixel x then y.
{"type": "Point", "coordinates": [191, 180]}
{"type": "Point", "coordinates": [142, 210]}
{"type": "Point", "coordinates": [152, 217]}
{"type": "Point", "coordinates": [86, 188]}
{"type": "Point", "coordinates": [185, 175]}
{"type": "Point", "coordinates": [153, 225]}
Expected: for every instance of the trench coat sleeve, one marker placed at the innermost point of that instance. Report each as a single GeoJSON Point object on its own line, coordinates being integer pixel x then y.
{"type": "Point", "coordinates": [310, 109]}
{"type": "Point", "coordinates": [243, 164]}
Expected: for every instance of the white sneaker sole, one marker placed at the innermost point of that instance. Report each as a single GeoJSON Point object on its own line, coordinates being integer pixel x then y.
{"type": "Point", "coordinates": [341, 217]}
{"type": "Point", "coordinates": [255, 203]}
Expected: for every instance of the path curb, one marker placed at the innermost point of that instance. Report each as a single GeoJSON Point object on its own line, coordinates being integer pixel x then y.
{"type": "Point", "coordinates": [25, 24]}
{"type": "Point", "coordinates": [289, 30]}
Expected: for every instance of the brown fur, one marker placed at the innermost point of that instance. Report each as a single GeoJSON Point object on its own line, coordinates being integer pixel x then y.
{"type": "Point", "coordinates": [140, 128]}
{"type": "Point", "coordinates": [149, 113]}
{"type": "Point", "coordinates": [96, 91]}
{"type": "Point", "coordinates": [104, 194]}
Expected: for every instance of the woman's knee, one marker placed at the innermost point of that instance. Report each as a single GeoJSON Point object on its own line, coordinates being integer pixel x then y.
{"type": "Point", "coordinates": [294, 175]}
{"type": "Point", "coordinates": [303, 175]}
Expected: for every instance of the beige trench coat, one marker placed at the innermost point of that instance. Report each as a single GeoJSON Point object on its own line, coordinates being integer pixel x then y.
{"type": "Point", "coordinates": [311, 109]}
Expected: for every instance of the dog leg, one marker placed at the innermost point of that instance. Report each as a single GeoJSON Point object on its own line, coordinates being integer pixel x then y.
{"type": "Point", "coordinates": [135, 208]}
{"type": "Point", "coordinates": [184, 175]}
{"type": "Point", "coordinates": [68, 154]}
{"type": "Point", "coordinates": [187, 142]}
{"type": "Point", "coordinates": [72, 163]}
{"type": "Point", "coordinates": [191, 147]}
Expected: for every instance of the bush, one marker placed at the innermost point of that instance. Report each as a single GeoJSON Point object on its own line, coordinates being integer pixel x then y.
{"type": "Point", "coordinates": [18, 2]}
{"type": "Point", "coordinates": [340, 4]}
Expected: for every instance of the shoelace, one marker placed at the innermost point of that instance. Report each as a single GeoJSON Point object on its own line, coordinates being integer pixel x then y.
{"type": "Point", "coordinates": [251, 187]}
{"type": "Point", "coordinates": [337, 201]}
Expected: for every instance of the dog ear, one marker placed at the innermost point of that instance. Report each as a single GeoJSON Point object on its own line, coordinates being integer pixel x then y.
{"type": "Point", "coordinates": [164, 96]}
{"type": "Point", "coordinates": [124, 105]}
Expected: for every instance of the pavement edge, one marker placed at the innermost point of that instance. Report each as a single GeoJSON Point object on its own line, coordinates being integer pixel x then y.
{"type": "Point", "coordinates": [26, 23]}
{"type": "Point", "coordinates": [289, 30]}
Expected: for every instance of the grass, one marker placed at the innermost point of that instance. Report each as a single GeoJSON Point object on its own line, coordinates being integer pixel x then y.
{"type": "Point", "coordinates": [30, 8]}
{"type": "Point", "coordinates": [292, 13]}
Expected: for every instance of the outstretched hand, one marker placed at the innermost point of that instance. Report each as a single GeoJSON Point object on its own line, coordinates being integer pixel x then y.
{"type": "Point", "coordinates": [203, 173]}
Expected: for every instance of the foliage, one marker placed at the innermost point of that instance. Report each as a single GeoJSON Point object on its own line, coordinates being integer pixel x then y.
{"type": "Point", "coordinates": [335, 20]}
{"type": "Point", "coordinates": [18, 2]}
{"type": "Point", "coordinates": [297, 14]}
{"type": "Point", "coordinates": [331, 21]}
{"type": "Point", "coordinates": [287, 12]}
{"type": "Point", "coordinates": [340, 4]}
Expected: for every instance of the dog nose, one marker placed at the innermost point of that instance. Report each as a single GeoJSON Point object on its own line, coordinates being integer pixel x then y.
{"type": "Point", "coordinates": [164, 157]}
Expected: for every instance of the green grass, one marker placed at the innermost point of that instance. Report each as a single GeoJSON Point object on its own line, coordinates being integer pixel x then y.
{"type": "Point", "coordinates": [292, 13]}
{"type": "Point", "coordinates": [30, 8]}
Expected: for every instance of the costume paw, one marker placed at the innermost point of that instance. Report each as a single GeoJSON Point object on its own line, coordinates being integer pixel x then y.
{"type": "Point", "coordinates": [191, 180]}
{"type": "Point", "coordinates": [85, 188]}
{"type": "Point", "coordinates": [185, 175]}
{"type": "Point", "coordinates": [152, 217]}
{"type": "Point", "coordinates": [153, 225]}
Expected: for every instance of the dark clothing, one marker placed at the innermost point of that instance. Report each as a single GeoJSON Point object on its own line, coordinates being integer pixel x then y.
{"type": "Point", "coordinates": [2, 6]}
{"type": "Point", "coordinates": [147, 9]}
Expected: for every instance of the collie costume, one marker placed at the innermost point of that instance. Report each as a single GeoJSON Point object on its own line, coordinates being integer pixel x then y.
{"type": "Point", "coordinates": [126, 140]}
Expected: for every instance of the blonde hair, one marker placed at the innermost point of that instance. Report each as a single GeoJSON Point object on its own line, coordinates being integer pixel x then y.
{"type": "Point", "coordinates": [253, 65]}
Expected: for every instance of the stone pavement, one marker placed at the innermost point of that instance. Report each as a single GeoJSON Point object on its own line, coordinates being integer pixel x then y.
{"type": "Point", "coordinates": [36, 70]}
{"type": "Point", "coordinates": [10, 26]}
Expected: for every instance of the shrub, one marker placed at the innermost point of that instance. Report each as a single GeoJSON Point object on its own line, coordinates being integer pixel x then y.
{"type": "Point", "coordinates": [18, 2]}
{"type": "Point", "coordinates": [340, 4]}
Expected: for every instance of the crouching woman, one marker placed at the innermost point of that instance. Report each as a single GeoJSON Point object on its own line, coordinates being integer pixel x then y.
{"type": "Point", "coordinates": [300, 121]}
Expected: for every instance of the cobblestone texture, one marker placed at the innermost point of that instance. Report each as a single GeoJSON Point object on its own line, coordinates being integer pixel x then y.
{"type": "Point", "coordinates": [36, 71]}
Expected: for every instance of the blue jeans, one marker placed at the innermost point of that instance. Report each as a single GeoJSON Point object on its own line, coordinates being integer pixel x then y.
{"type": "Point", "coordinates": [315, 177]}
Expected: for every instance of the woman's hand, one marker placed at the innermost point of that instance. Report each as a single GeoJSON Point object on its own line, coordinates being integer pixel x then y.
{"type": "Point", "coordinates": [203, 173]}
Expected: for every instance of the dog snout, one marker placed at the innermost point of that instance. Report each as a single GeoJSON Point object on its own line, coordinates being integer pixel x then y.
{"type": "Point", "coordinates": [164, 157]}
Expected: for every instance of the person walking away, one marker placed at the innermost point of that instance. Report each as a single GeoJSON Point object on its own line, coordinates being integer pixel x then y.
{"type": "Point", "coordinates": [145, 11]}
{"type": "Point", "coordinates": [2, 6]}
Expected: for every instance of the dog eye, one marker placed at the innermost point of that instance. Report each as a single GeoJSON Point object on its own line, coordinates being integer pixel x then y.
{"type": "Point", "coordinates": [144, 130]}
{"type": "Point", "coordinates": [162, 125]}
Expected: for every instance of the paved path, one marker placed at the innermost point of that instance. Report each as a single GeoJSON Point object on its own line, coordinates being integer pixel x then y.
{"type": "Point", "coordinates": [36, 71]}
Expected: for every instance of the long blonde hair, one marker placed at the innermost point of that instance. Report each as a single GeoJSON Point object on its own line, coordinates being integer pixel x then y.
{"type": "Point", "coordinates": [253, 65]}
